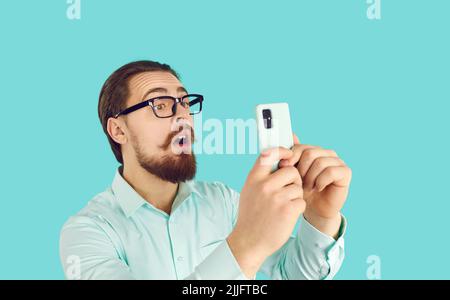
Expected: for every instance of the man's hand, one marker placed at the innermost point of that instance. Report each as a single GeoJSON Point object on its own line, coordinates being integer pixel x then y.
{"type": "Point", "coordinates": [326, 180]}
{"type": "Point", "coordinates": [310, 180]}
{"type": "Point", "coordinates": [269, 207]}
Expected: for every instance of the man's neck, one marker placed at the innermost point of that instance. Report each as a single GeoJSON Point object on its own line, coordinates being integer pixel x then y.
{"type": "Point", "coordinates": [155, 191]}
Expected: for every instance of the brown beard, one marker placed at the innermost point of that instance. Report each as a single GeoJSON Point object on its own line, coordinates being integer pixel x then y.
{"type": "Point", "coordinates": [173, 168]}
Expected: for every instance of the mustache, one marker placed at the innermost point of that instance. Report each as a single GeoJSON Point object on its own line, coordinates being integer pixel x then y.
{"type": "Point", "coordinates": [170, 137]}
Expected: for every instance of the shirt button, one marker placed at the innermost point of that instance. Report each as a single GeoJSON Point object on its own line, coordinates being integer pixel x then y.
{"type": "Point", "coordinates": [180, 258]}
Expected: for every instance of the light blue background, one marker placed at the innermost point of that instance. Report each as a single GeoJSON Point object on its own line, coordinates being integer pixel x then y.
{"type": "Point", "coordinates": [377, 92]}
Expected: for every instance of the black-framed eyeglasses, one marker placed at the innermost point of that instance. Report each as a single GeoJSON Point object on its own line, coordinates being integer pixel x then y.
{"type": "Point", "coordinates": [166, 106]}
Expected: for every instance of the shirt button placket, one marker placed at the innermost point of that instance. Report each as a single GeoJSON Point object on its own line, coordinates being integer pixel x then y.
{"type": "Point", "coordinates": [172, 236]}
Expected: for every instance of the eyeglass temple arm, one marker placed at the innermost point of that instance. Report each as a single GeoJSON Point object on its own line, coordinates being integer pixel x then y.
{"type": "Point", "coordinates": [133, 108]}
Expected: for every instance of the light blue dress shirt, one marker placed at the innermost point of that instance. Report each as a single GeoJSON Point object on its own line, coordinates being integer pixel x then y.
{"type": "Point", "coordinates": [119, 235]}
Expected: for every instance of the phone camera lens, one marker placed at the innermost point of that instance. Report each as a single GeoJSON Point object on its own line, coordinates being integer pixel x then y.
{"type": "Point", "coordinates": [267, 117]}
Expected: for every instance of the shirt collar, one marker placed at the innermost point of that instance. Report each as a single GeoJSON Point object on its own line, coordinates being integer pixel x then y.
{"type": "Point", "coordinates": [130, 200]}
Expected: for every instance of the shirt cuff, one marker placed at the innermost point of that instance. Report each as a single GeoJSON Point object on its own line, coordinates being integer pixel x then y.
{"type": "Point", "coordinates": [221, 265]}
{"type": "Point", "coordinates": [332, 251]}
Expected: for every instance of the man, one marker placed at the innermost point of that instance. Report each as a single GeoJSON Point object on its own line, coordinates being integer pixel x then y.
{"type": "Point", "coordinates": [156, 222]}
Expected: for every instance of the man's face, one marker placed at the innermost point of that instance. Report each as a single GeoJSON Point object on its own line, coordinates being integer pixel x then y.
{"type": "Point", "coordinates": [162, 146]}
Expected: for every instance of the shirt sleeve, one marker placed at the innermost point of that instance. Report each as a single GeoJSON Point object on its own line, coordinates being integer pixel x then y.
{"type": "Point", "coordinates": [219, 265]}
{"type": "Point", "coordinates": [308, 254]}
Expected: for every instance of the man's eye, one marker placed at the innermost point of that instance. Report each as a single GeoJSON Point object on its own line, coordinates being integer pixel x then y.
{"type": "Point", "coordinates": [185, 102]}
{"type": "Point", "coordinates": [160, 106]}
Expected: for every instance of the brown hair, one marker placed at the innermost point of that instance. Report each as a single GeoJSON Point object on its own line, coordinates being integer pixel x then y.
{"type": "Point", "coordinates": [115, 92]}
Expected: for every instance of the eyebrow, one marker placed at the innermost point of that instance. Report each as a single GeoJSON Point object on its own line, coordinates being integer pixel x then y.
{"type": "Point", "coordinates": [162, 90]}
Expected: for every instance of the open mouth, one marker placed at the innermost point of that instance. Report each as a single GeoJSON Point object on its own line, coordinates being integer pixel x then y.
{"type": "Point", "coordinates": [183, 140]}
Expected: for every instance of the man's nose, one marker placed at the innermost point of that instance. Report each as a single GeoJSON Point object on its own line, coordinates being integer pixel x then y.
{"type": "Point", "coordinates": [181, 124]}
{"type": "Point", "coordinates": [182, 120]}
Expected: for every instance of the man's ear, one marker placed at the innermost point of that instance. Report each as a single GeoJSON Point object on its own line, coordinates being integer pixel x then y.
{"type": "Point", "coordinates": [116, 130]}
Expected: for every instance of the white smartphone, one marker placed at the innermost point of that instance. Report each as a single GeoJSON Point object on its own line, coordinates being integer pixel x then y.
{"type": "Point", "coordinates": [274, 127]}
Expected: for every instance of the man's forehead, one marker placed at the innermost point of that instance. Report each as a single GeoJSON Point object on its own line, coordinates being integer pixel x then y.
{"type": "Point", "coordinates": [141, 83]}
